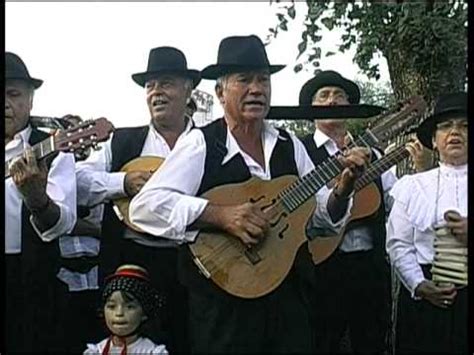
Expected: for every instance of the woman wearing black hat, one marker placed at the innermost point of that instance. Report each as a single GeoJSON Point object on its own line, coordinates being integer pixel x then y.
{"type": "Point", "coordinates": [432, 314]}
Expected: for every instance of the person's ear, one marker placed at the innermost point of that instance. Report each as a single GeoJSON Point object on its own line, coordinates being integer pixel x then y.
{"type": "Point", "coordinates": [220, 94]}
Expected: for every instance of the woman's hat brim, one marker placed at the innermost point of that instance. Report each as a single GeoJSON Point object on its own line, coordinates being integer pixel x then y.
{"type": "Point", "coordinates": [142, 78]}
{"type": "Point", "coordinates": [426, 130]}
{"type": "Point", "coordinates": [215, 71]}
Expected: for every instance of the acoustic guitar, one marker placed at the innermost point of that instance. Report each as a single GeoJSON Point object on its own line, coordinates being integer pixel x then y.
{"type": "Point", "coordinates": [366, 202]}
{"type": "Point", "coordinates": [85, 135]}
{"type": "Point", "coordinates": [121, 205]}
{"type": "Point", "coordinates": [251, 272]}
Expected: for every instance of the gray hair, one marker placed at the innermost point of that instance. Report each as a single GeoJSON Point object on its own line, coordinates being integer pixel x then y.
{"type": "Point", "coordinates": [222, 81]}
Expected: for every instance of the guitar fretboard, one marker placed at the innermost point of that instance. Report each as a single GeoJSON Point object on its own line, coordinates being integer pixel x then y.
{"type": "Point", "coordinates": [304, 188]}
{"type": "Point", "coordinates": [41, 150]}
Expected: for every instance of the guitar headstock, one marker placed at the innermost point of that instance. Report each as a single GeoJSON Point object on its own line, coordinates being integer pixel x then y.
{"type": "Point", "coordinates": [399, 119]}
{"type": "Point", "coordinates": [84, 135]}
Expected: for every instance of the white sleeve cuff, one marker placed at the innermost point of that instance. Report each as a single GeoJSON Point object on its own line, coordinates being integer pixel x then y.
{"type": "Point", "coordinates": [63, 226]}
{"type": "Point", "coordinates": [116, 185]}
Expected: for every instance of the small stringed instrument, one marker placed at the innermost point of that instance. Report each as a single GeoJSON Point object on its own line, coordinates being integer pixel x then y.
{"type": "Point", "coordinates": [121, 205]}
{"type": "Point", "coordinates": [251, 272]}
{"type": "Point", "coordinates": [86, 134]}
{"type": "Point", "coordinates": [366, 202]}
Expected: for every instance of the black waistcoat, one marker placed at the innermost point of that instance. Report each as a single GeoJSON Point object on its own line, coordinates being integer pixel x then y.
{"type": "Point", "coordinates": [127, 144]}
{"type": "Point", "coordinates": [375, 222]}
{"type": "Point", "coordinates": [282, 162]}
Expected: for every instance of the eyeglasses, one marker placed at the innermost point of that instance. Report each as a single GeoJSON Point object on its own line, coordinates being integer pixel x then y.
{"type": "Point", "coordinates": [448, 125]}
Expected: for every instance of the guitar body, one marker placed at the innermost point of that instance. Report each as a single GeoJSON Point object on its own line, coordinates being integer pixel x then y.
{"type": "Point", "coordinates": [146, 163]}
{"type": "Point", "coordinates": [256, 272]}
{"type": "Point", "coordinates": [366, 202]}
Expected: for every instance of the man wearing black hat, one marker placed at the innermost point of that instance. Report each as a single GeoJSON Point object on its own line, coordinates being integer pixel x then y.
{"type": "Point", "coordinates": [168, 84]}
{"type": "Point", "coordinates": [353, 284]}
{"type": "Point", "coordinates": [232, 150]}
{"type": "Point", "coordinates": [427, 238]}
{"type": "Point", "coordinates": [40, 206]}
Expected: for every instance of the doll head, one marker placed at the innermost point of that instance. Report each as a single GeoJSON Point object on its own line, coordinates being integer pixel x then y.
{"type": "Point", "coordinates": [128, 300]}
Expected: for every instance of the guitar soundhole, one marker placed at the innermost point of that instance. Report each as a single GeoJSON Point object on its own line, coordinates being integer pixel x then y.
{"type": "Point", "coordinates": [280, 217]}
{"type": "Point", "coordinates": [280, 235]}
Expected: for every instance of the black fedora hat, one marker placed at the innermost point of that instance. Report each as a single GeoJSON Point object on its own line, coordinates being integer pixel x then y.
{"type": "Point", "coordinates": [163, 60]}
{"type": "Point", "coordinates": [240, 53]}
{"type": "Point", "coordinates": [447, 106]}
{"type": "Point", "coordinates": [15, 68]}
{"type": "Point", "coordinates": [328, 78]}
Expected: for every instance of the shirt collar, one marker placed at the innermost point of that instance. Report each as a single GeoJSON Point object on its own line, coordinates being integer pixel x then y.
{"type": "Point", "coordinates": [322, 139]}
{"type": "Point", "coordinates": [21, 137]}
{"type": "Point", "coordinates": [453, 170]}
{"type": "Point", "coordinates": [269, 135]}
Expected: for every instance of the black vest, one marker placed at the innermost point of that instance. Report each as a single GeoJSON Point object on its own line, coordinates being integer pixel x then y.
{"type": "Point", "coordinates": [127, 144]}
{"type": "Point", "coordinates": [375, 222]}
{"type": "Point", "coordinates": [282, 162]}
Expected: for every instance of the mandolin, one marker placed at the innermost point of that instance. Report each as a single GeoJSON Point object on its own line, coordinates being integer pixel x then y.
{"type": "Point", "coordinates": [366, 202]}
{"type": "Point", "coordinates": [121, 205]}
{"type": "Point", "coordinates": [251, 272]}
{"type": "Point", "coordinates": [87, 134]}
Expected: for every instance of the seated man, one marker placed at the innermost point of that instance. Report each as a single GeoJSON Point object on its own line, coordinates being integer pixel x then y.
{"type": "Point", "coordinates": [232, 150]}
{"type": "Point", "coordinates": [40, 206]}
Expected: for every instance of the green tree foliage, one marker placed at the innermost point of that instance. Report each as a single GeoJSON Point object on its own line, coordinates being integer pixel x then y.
{"type": "Point", "coordinates": [424, 42]}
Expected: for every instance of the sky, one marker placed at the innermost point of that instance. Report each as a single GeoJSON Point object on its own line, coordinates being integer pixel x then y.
{"type": "Point", "coordinates": [86, 52]}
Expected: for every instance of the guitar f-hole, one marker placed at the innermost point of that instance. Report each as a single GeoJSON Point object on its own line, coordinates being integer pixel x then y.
{"type": "Point", "coordinates": [253, 200]}
{"type": "Point", "coordinates": [280, 217]}
{"type": "Point", "coordinates": [280, 235]}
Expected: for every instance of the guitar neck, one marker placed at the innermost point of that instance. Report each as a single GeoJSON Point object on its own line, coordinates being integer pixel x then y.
{"type": "Point", "coordinates": [380, 166]}
{"type": "Point", "coordinates": [40, 150]}
{"type": "Point", "coordinates": [304, 188]}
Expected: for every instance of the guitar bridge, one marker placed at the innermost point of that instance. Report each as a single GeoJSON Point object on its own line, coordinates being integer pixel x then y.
{"type": "Point", "coordinates": [253, 256]}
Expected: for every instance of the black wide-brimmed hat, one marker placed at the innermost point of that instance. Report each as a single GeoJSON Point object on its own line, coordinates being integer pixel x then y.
{"type": "Point", "coordinates": [15, 68]}
{"type": "Point", "coordinates": [238, 54]}
{"type": "Point", "coordinates": [447, 106]}
{"type": "Point", "coordinates": [167, 60]}
{"type": "Point", "coordinates": [328, 78]}
{"type": "Point", "coordinates": [134, 280]}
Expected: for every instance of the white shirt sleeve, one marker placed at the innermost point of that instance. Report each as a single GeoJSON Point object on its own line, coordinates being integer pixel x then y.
{"type": "Point", "coordinates": [166, 205]}
{"type": "Point", "coordinates": [321, 217]}
{"type": "Point", "coordinates": [95, 183]}
{"type": "Point", "coordinates": [401, 248]}
{"type": "Point", "coordinates": [61, 189]}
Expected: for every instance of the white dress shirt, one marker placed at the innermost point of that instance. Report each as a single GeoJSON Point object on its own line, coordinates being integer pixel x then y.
{"type": "Point", "coordinates": [96, 184]}
{"type": "Point", "coordinates": [167, 203]}
{"type": "Point", "coordinates": [61, 189]}
{"type": "Point", "coordinates": [141, 346]}
{"type": "Point", "coordinates": [420, 203]}
{"type": "Point", "coordinates": [78, 246]}
{"type": "Point", "coordinates": [360, 238]}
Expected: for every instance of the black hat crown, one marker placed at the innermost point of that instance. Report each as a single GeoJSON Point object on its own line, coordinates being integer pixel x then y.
{"type": "Point", "coordinates": [240, 53]}
{"type": "Point", "coordinates": [328, 78]}
{"type": "Point", "coordinates": [163, 60]}
{"type": "Point", "coordinates": [15, 68]}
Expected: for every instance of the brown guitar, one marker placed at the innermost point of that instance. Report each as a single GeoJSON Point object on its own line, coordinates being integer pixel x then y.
{"type": "Point", "coordinates": [366, 202]}
{"type": "Point", "coordinates": [289, 202]}
{"type": "Point", "coordinates": [121, 205]}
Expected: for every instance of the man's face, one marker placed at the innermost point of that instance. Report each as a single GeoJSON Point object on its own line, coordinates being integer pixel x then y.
{"type": "Point", "coordinates": [451, 139]}
{"type": "Point", "coordinates": [246, 96]}
{"type": "Point", "coordinates": [18, 104]}
{"type": "Point", "coordinates": [330, 96]}
{"type": "Point", "coordinates": [166, 97]}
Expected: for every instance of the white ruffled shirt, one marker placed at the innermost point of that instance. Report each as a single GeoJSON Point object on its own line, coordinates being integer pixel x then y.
{"type": "Point", "coordinates": [141, 346]}
{"type": "Point", "coordinates": [410, 233]}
